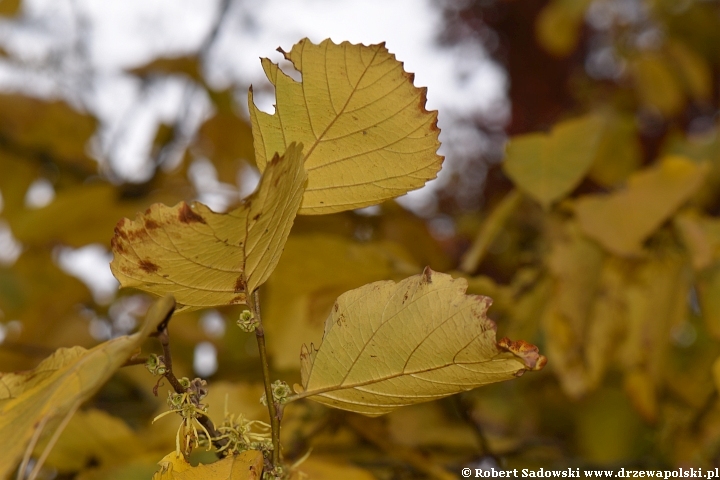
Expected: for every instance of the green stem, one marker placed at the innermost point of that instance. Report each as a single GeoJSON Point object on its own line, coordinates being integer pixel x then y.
{"type": "Point", "coordinates": [272, 409]}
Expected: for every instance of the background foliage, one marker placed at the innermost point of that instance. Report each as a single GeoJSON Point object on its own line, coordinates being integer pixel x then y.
{"type": "Point", "coordinates": [598, 240]}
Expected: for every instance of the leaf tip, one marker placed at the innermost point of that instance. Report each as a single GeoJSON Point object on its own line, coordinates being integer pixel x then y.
{"type": "Point", "coordinates": [427, 275]}
{"type": "Point", "coordinates": [527, 352]}
{"type": "Point", "coordinates": [187, 215]}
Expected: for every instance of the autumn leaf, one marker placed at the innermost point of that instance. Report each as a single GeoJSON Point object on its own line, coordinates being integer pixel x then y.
{"type": "Point", "coordinates": [387, 345]}
{"type": "Point", "coordinates": [205, 258]}
{"type": "Point", "coordinates": [367, 134]}
{"type": "Point", "coordinates": [57, 387]}
{"type": "Point", "coordinates": [247, 465]}
{"type": "Point", "coordinates": [621, 221]}
{"type": "Point", "coordinates": [548, 166]}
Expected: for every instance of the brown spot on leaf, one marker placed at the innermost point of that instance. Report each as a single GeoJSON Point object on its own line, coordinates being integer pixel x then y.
{"type": "Point", "coordinates": [119, 229]}
{"type": "Point", "coordinates": [148, 267]}
{"type": "Point", "coordinates": [240, 285]}
{"type": "Point", "coordinates": [186, 215]}
{"type": "Point", "coordinates": [527, 352]}
{"type": "Point", "coordinates": [238, 300]}
{"type": "Point", "coordinates": [151, 224]}
{"type": "Point", "coordinates": [117, 245]}
{"type": "Point", "coordinates": [276, 159]}
{"type": "Point", "coordinates": [256, 217]}
{"type": "Point", "coordinates": [336, 307]}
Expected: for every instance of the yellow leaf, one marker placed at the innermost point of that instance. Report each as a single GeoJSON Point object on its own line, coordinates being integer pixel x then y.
{"type": "Point", "coordinates": [640, 388]}
{"type": "Point", "coordinates": [205, 258]}
{"type": "Point", "coordinates": [68, 220]}
{"type": "Point", "coordinates": [186, 65]}
{"type": "Point", "coordinates": [56, 387]}
{"type": "Point", "coordinates": [701, 235]}
{"type": "Point", "coordinates": [93, 437]}
{"type": "Point", "coordinates": [388, 345]}
{"type": "Point", "coordinates": [657, 86]}
{"type": "Point", "coordinates": [709, 295]}
{"type": "Point", "coordinates": [619, 152]}
{"type": "Point", "coordinates": [621, 221]}
{"type": "Point", "coordinates": [548, 166]}
{"type": "Point", "coordinates": [490, 229]}
{"type": "Point", "coordinates": [693, 71]}
{"type": "Point", "coordinates": [47, 128]}
{"type": "Point", "coordinates": [9, 7]}
{"type": "Point", "coordinates": [244, 466]}
{"type": "Point", "coordinates": [226, 139]}
{"type": "Point", "coordinates": [367, 135]}
{"type": "Point", "coordinates": [558, 26]}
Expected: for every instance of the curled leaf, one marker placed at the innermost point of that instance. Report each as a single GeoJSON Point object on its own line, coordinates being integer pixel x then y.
{"type": "Point", "coordinates": [56, 387]}
{"type": "Point", "coordinates": [390, 344]}
{"type": "Point", "coordinates": [206, 258]}
{"type": "Point", "coordinates": [367, 134]}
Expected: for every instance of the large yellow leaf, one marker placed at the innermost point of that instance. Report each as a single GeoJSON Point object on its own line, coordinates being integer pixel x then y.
{"type": "Point", "coordinates": [57, 386]}
{"type": "Point", "coordinates": [388, 345]}
{"type": "Point", "coordinates": [548, 166]}
{"type": "Point", "coordinates": [367, 134]}
{"type": "Point", "coordinates": [244, 466]}
{"type": "Point", "coordinates": [205, 258]}
{"type": "Point", "coordinates": [621, 221]}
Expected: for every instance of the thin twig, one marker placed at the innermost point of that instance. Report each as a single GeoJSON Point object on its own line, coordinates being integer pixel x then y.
{"type": "Point", "coordinates": [273, 411]}
{"type": "Point", "coordinates": [164, 337]}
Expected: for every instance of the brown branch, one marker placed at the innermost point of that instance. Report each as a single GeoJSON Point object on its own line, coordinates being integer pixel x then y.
{"type": "Point", "coordinates": [273, 410]}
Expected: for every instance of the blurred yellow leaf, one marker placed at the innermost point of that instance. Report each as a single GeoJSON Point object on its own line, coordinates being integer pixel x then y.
{"type": "Point", "coordinates": [584, 319]}
{"type": "Point", "coordinates": [621, 221]}
{"type": "Point", "coordinates": [68, 220]}
{"type": "Point", "coordinates": [226, 139]}
{"type": "Point", "coordinates": [558, 26]}
{"type": "Point", "coordinates": [640, 388]}
{"type": "Point", "coordinates": [656, 84]}
{"type": "Point", "coordinates": [656, 302]}
{"type": "Point", "coordinates": [312, 272]}
{"type": "Point", "coordinates": [607, 429]}
{"type": "Point", "coordinates": [93, 437]}
{"type": "Point", "coordinates": [708, 284]}
{"type": "Point", "coordinates": [490, 229]}
{"type": "Point", "coordinates": [186, 65]}
{"type": "Point", "coordinates": [367, 134]}
{"type": "Point", "coordinates": [56, 387]}
{"type": "Point", "coordinates": [9, 7]}
{"type": "Point", "coordinates": [206, 258]}
{"type": "Point", "coordinates": [43, 300]}
{"type": "Point", "coordinates": [693, 71]}
{"type": "Point", "coordinates": [548, 166]}
{"type": "Point", "coordinates": [244, 466]}
{"type": "Point", "coordinates": [701, 235]}
{"type": "Point", "coordinates": [619, 153]}
{"type": "Point", "coordinates": [51, 128]}
{"type": "Point", "coordinates": [387, 345]}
